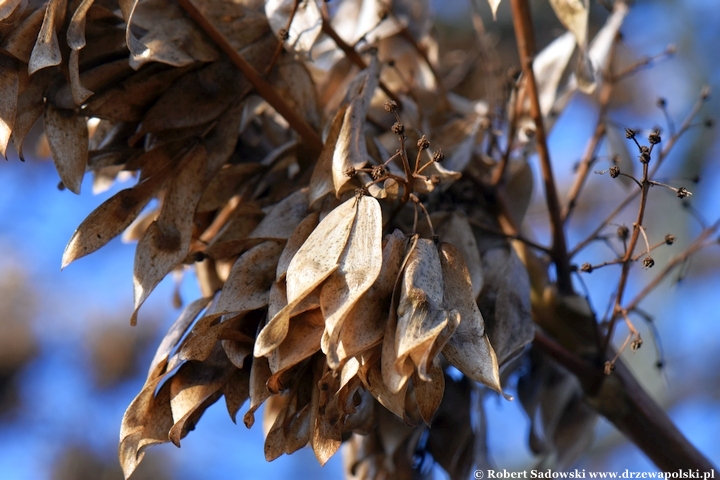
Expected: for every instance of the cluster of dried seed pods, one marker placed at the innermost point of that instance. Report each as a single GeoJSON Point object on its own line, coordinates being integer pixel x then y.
{"type": "Point", "coordinates": [337, 309]}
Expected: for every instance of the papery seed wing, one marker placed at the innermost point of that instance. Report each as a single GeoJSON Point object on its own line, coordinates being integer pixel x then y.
{"type": "Point", "coordinates": [167, 240]}
{"type": "Point", "coordinates": [364, 325]}
{"type": "Point", "coordinates": [314, 262]}
{"type": "Point", "coordinates": [359, 267]}
{"type": "Point", "coordinates": [351, 149]}
{"type": "Point", "coordinates": [468, 349]}
{"type": "Point", "coordinates": [421, 316]}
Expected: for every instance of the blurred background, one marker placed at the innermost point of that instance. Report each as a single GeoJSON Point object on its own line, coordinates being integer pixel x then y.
{"type": "Point", "coordinates": [70, 363]}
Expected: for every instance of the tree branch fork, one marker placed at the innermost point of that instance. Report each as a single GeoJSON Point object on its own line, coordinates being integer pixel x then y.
{"type": "Point", "coordinates": [618, 397]}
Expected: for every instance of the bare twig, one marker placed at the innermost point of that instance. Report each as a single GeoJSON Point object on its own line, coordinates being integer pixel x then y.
{"type": "Point", "coordinates": [405, 33]}
{"type": "Point", "coordinates": [698, 244]}
{"type": "Point", "coordinates": [526, 47]}
{"type": "Point", "coordinates": [594, 235]}
{"type": "Point", "coordinates": [617, 261]}
{"type": "Point", "coordinates": [669, 144]}
{"type": "Point", "coordinates": [593, 145]}
{"type": "Point", "coordinates": [687, 123]}
{"type": "Point", "coordinates": [283, 34]}
{"type": "Point", "coordinates": [512, 236]}
{"type": "Point", "coordinates": [627, 260]}
{"type": "Point", "coordinates": [297, 123]}
{"type": "Point", "coordinates": [498, 174]}
{"type": "Point", "coordinates": [354, 56]}
{"type": "Point", "coordinates": [644, 62]}
{"type": "Point", "coordinates": [637, 226]}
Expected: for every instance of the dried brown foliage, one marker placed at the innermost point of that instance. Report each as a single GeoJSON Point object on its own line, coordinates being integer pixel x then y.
{"type": "Point", "coordinates": [348, 216]}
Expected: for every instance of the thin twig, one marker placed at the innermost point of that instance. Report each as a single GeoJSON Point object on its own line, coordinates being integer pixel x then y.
{"type": "Point", "coordinates": [668, 146]}
{"type": "Point", "coordinates": [263, 87]}
{"type": "Point", "coordinates": [354, 56]}
{"type": "Point", "coordinates": [594, 235]}
{"type": "Point", "coordinates": [647, 243]}
{"type": "Point", "coordinates": [591, 150]}
{"type": "Point", "coordinates": [698, 244]}
{"type": "Point", "coordinates": [511, 236]}
{"type": "Point", "coordinates": [619, 260]}
{"type": "Point", "coordinates": [405, 33]}
{"type": "Point", "coordinates": [498, 174]}
{"type": "Point", "coordinates": [644, 62]}
{"type": "Point", "coordinates": [671, 125]}
{"type": "Point", "coordinates": [650, 249]}
{"type": "Point", "coordinates": [637, 226]}
{"type": "Point", "coordinates": [281, 44]}
{"type": "Point", "coordinates": [627, 260]}
{"type": "Point", "coordinates": [418, 203]}
{"type": "Point", "coordinates": [526, 47]}
{"type": "Point", "coordinates": [687, 123]}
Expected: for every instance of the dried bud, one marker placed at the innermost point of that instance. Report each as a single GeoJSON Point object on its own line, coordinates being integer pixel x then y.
{"type": "Point", "coordinates": [648, 262]}
{"type": "Point", "coordinates": [614, 172]}
{"type": "Point", "coordinates": [350, 171]}
{"type": "Point", "coordinates": [683, 192]}
{"type": "Point", "coordinates": [609, 367]}
{"type": "Point", "coordinates": [669, 239]}
{"type": "Point", "coordinates": [629, 133]}
{"type": "Point", "coordinates": [623, 232]}
{"type": "Point", "coordinates": [284, 34]}
{"type": "Point", "coordinates": [438, 156]}
{"type": "Point", "coordinates": [654, 137]}
{"type": "Point", "coordinates": [398, 128]}
{"type": "Point", "coordinates": [661, 102]}
{"type": "Point", "coordinates": [378, 171]}
{"type": "Point", "coordinates": [636, 344]}
{"type": "Point", "coordinates": [423, 143]}
{"type": "Point", "coordinates": [390, 106]}
{"type": "Point", "coordinates": [586, 267]}
{"type": "Point", "coordinates": [644, 154]}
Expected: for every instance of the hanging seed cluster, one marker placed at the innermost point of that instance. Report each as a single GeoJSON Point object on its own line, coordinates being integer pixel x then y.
{"type": "Point", "coordinates": [342, 278]}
